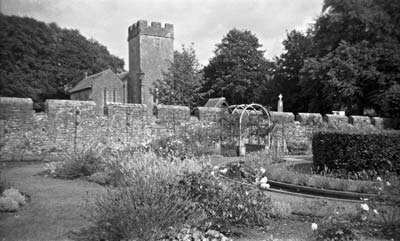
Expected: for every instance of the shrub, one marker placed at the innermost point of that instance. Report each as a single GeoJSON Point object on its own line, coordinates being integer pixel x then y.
{"type": "Point", "coordinates": [188, 141]}
{"type": "Point", "coordinates": [281, 209]}
{"type": "Point", "coordinates": [81, 163]}
{"type": "Point", "coordinates": [141, 212]}
{"type": "Point", "coordinates": [147, 204]}
{"type": "Point", "coordinates": [227, 203]}
{"type": "Point", "coordinates": [297, 148]}
{"type": "Point", "coordinates": [129, 168]}
{"type": "Point", "coordinates": [355, 152]}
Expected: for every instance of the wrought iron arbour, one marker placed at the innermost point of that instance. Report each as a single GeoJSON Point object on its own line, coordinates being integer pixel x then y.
{"type": "Point", "coordinates": [262, 123]}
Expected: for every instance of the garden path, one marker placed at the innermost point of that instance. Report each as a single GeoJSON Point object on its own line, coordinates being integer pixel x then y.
{"type": "Point", "coordinates": [54, 209]}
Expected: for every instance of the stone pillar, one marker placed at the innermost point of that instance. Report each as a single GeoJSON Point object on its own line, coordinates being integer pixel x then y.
{"type": "Point", "coordinates": [280, 103]}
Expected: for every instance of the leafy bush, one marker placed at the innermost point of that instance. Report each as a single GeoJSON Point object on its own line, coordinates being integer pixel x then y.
{"type": "Point", "coordinates": [78, 164]}
{"type": "Point", "coordinates": [148, 202]}
{"type": "Point", "coordinates": [297, 148]}
{"type": "Point", "coordinates": [188, 140]}
{"type": "Point", "coordinates": [227, 203]}
{"type": "Point", "coordinates": [129, 168]}
{"type": "Point", "coordinates": [140, 212]}
{"type": "Point", "coordinates": [355, 152]}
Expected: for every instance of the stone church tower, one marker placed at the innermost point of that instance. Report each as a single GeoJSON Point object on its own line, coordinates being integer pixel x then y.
{"type": "Point", "coordinates": [151, 49]}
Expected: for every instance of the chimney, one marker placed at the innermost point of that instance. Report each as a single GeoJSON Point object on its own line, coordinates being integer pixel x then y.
{"type": "Point", "coordinates": [85, 75]}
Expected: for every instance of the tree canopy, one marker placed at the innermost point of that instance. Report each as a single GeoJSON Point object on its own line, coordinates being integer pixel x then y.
{"type": "Point", "coordinates": [238, 71]}
{"type": "Point", "coordinates": [348, 60]}
{"type": "Point", "coordinates": [181, 84]}
{"type": "Point", "coordinates": [41, 61]}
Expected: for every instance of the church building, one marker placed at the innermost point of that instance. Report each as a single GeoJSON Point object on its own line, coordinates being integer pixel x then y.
{"type": "Point", "coordinates": [151, 49]}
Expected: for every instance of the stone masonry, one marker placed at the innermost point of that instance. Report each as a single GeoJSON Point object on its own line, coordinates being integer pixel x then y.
{"type": "Point", "coordinates": [67, 126]}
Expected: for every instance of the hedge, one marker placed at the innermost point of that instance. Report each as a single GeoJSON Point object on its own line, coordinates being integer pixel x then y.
{"type": "Point", "coordinates": [353, 152]}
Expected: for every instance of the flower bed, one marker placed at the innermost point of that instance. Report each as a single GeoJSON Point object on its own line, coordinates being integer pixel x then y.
{"type": "Point", "coordinates": [283, 173]}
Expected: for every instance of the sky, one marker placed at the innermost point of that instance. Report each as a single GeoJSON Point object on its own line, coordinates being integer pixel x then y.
{"type": "Point", "coordinates": [201, 22]}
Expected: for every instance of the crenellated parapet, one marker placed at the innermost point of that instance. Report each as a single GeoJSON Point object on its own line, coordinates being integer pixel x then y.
{"type": "Point", "coordinates": [155, 29]}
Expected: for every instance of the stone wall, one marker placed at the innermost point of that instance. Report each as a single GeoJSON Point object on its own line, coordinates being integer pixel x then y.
{"type": "Point", "coordinates": [67, 126]}
{"type": "Point", "coordinates": [172, 113]}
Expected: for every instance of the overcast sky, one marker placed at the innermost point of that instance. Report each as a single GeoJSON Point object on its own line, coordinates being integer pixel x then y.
{"type": "Point", "coordinates": [203, 23]}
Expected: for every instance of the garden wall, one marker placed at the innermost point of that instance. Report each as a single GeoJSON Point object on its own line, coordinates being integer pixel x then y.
{"type": "Point", "coordinates": [68, 126]}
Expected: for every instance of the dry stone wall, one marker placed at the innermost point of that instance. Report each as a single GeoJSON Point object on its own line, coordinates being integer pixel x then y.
{"type": "Point", "coordinates": [67, 126]}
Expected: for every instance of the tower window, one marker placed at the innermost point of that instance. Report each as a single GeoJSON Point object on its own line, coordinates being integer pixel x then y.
{"type": "Point", "coordinates": [113, 95]}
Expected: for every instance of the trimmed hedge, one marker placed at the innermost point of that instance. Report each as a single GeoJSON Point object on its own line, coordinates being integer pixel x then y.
{"type": "Point", "coordinates": [353, 152]}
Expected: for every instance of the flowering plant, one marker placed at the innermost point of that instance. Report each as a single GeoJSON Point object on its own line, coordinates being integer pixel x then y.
{"type": "Point", "coordinates": [385, 207]}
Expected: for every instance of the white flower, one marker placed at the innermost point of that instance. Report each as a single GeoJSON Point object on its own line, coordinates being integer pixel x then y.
{"type": "Point", "coordinates": [314, 226]}
{"type": "Point", "coordinates": [212, 173]}
{"type": "Point", "coordinates": [388, 184]}
{"type": "Point", "coordinates": [262, 169]}
{"type": "Point", "coordinates": [264, 185]}
{"type": "Point", "coordinates": [365, 207]}
{"type": "Point", "coordinates": [224, 171]}
{"type": "Point", "coordinates": [264, 180]}
{"type": "Point", "coordinates": [379, 179]}
{"type": "Point", "coordinates": [240, 206]}
{"type": "Point", "coordinates": [246, 193]}
{"type": "Point", "coordinates": [375, 211]}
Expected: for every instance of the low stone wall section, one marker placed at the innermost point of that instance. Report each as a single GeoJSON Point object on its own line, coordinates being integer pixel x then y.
{"type": "Point", "coordinates": [172, 113]}
{"type": "Point", "coordinates": [282, 117]}
{"type": "Point", "coordinates": [385, 123]}
{"type": "Point", "coordinates": [309, 119]}
{"type": "Point", "coordinates": [211, 114]}
{"type": "Point", "coordinates": [337, 121]}
{"type": "Point", "coordinates": [69, 126]}
{"type": "Point", "coordinates": [360, 122]}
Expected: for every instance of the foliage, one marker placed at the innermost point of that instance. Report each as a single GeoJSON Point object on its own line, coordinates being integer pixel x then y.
{"type": "Point", "coordinates": [181, 83]}
{"type": "Point", "coordinates": [354, 152]}
{"type": "Point", "coordinates": [147, 204]}
{"type": "Point", "coordinates": [386, 206]}
{"type": "Point", "coordinates": [378, 215]}
{"type": "Point", "coordinates": [227, 203]}
{"type": "Point", "coordinates": [248, 171]}
{"type": "Point", "coordinates": [78, 164]}
{"type": "Point", "coordinates": [238, 71]}
{"type": "Point", "coordinates": [140, 212]}
{"type": "Point", "coordinates": [41, 61]}
{"type": "Point", "coordinates": [348, 60]}
{"type": "Point", "coordinates": [297, 147]}
{"type": "Point", "coordinates": [286, 73]}
{"type": "Point", "coordinates": [190, 140]}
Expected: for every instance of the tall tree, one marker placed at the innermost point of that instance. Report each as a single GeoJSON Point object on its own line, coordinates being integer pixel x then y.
{"type": "Point", "coordinates": [182, 82]}
{"type": "Point", "coordinates": [286, 74]}
{"type": "Point", "coordinates": [40, 61]}
{"type": "Point", "coordinates": [356, 59]}
{"type": "Point", "coordinates": [238, 71]}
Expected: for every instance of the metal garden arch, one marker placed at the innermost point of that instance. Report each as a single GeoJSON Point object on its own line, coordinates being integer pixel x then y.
{"type": "Point", "coordinates": [248, 110]}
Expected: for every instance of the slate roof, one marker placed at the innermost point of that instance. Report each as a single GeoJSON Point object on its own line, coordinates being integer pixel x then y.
{"type": "Point", "coordinates": [87, 82]}
{"type": "Point", "coordinates": [217, 102]}
{"type": "Point", "coordinates": [123, 76]}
